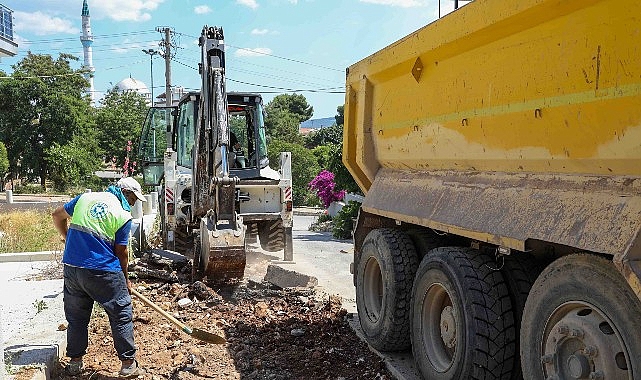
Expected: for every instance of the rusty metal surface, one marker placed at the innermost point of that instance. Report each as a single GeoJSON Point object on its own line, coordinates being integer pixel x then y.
{"type": "Point", "coordinates": [222, 250]}
{"type": "Point", "coordinates": [592, 213]}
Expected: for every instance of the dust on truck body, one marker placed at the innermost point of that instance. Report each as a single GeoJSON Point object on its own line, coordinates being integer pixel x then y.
{"type": "Point", "coordinates": [499, 149]}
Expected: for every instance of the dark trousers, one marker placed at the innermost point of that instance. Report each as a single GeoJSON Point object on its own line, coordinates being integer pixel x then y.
{"type": "Point", "coordinates": [84, 286]}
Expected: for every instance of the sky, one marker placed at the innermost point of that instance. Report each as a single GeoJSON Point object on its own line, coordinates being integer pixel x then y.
{"type": "Point", "coordinates": [272, 46]}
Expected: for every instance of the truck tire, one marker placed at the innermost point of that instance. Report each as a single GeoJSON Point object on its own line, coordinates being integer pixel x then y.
{"type": "Point", "coordinates": [520, 271]}
{"type": "Point", "coordinates": [425, 241]}
{"type": "Point", "coordinates": [462, 321]}
{"type": "Point", "coordinates": [384, 278]}
{"type": "Point", "coordinates": [271, 235]}
{"type": "Point", "coordinates": [581, 320]}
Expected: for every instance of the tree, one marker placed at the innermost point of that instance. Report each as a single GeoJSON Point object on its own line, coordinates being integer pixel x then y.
{"type": "Point", "coordinates": [283, 125]}
{"type": "Point", "coordinates": [74, 163]}
{"type": "Point", "coordinates": [324, 136]}
{"type": "Point", "coordinates": [340, 115]}
{"type": "Point", "coordinates": [43, 104]}
{"type": "Point", "coordinates": [295, 104]}
{"type": "Point", "coordinates": [284, 114]}
{"type": "Point", "coordinates": [4, 163]}
{"type": "Point", "coordinates": [120, 120]}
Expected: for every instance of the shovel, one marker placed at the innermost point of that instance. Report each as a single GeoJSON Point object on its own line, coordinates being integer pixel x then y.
{"type": "Point", "coordinates": [196, 333]}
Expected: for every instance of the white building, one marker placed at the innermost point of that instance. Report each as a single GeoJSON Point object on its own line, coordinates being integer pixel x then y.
{"type": "Point", "coordinates": [8, 48]}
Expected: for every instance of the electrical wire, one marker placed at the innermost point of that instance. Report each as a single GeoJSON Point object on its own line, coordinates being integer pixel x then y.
{"type": "Point", "coordinates": [331, 90]}
{"type": "Point", "coordinates": [273, 55]}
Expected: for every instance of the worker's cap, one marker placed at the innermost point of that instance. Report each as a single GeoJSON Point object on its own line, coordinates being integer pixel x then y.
{"type": "Point", "coordinates": [128, 183]}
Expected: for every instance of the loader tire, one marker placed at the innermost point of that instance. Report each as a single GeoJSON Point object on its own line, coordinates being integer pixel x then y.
{"type": "Point", "coordinates": [384, 276]}
{"type": "Point", "coordinates": [251, 234]}
{"type": "Point", "coordinates": [197, 269]}
{"type": "Point", "coordinates": [271, 235]}
{"type": "Point", "coordinates": [581, 321]}
{"type": "Point", "coordinates": [183, 242]}
{"type": "Point", "coordinates": [462, 323]}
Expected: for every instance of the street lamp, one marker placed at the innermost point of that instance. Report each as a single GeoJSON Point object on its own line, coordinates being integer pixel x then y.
{"type": "Point", "coordinates": [151, 53]}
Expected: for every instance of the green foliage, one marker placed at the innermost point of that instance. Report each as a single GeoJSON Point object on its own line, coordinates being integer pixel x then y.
{"type": "Point", "coordinates": [342, 176]}
{"type": "Point", "coordinates": [295, 104]}
{"type": "Point", "coordinates": [324, 136]}
{"type": "Point", "coordinates": [344, 220]}
{"type": "Point", "coordinates": [120, 120]}
{"type": "Point", "coordinates": [324, 217]}
{"type": "Point", "coordinates": [43, 104]}
{"type": "Point", "coordinates": [304, 168]}
{"type": "Point", "coordinates": [284, 114]}
{"type": "Point", "coordinates": [28, 188]}
{"type": "Point", "coordinates": [340, 115]}
{"type": "Point", "coordinates": [323, 154]}
{"type": "Point", "coordinates": [4, 162]}
{"type": "Point", "coordinates": [40, 305]}
{"type": "Point", "coordinates": [74, 163]}
{"type": "Point", "coordinates": [283, 125]}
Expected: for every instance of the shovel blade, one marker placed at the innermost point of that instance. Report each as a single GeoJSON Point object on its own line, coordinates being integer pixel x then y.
{"type": "Point", "coordinates": [208, 337]}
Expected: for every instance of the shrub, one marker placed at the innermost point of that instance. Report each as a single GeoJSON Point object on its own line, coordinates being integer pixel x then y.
{"type": "Point", "coordinates": [344, 220]}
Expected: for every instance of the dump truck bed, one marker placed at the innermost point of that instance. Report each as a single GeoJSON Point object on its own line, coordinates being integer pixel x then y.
{"type": "Point", "coordinates": [508, 122]}
{"type": "Point", "coordinates": [533, 86]}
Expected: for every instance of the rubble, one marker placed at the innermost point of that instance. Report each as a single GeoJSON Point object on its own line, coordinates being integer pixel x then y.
{"type": "Point", "coordinates": [272, 332]}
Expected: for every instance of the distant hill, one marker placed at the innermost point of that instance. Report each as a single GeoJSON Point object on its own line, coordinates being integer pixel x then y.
{"type": "Point", "coordinates": [317, 123]}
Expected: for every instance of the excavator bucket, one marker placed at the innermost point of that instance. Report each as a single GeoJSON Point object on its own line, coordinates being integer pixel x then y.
{"type": "Point", "coordinates": [222, 250]}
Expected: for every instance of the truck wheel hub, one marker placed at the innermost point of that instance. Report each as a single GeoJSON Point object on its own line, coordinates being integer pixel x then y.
{"type": "Point", "coordinates": [448, 327]}
{"type": "Point", "coordinates": [581, 343]}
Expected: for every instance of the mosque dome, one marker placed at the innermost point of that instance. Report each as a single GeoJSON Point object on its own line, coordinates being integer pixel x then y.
{"type": "Point", "coordinates": [132, 84]}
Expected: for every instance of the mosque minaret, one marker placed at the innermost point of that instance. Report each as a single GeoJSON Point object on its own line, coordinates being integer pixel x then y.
{"type": "Point", "coordinates": [87, 40]}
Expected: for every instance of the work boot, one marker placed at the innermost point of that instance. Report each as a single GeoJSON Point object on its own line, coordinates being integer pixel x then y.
{"type": "Point", "coordinates": [74, 368]}
{"type": "Point", "coordinates": [131, 370]}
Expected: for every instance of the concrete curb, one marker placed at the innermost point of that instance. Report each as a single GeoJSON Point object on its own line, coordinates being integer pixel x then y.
{"type": "Point", "coordinates": [23, 257]}
{"type": "Point", "coordinates": [400, 364]}
{"type": "Point", "coordinates": [307, 211]}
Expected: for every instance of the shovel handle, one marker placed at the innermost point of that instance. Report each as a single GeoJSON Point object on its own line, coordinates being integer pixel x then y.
{"type": "Point", "coordinates": [162, 312]}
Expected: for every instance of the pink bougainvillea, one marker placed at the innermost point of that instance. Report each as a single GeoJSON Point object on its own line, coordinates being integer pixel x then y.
{"type": "Point", "coordinates": [323, 184]}
{"type": "Point", "coordinates": [128, 167]}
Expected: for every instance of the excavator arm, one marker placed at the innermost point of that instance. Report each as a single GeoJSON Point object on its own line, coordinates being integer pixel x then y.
{"type": "Point", "coordinates": [222, 234]}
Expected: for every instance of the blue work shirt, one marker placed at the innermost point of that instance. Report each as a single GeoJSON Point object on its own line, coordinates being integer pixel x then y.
{"type": "Point", "coordinates": [86, 250]}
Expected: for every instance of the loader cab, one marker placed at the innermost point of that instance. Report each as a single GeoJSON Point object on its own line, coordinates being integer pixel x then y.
{"type": "Point", "coordinates": [153, 143]}
{"type": "Point", "coordinates": [246, 122]}
{"type": "Point", "coordinates": [246, 125]}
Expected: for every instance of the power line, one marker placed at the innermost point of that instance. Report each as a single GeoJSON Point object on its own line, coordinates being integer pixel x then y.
{"type": "Point", "coordinates": [114, 35]}
{"type": "Point", "coordinates": [331, 90]}
{"type": "Point", "coordinates": [44, 76]}
{"type": "Point", "coordinates": [273, 55]}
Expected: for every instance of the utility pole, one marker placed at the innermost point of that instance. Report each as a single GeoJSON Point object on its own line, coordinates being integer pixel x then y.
{"type": "Point", "coordinates": [167, 45]}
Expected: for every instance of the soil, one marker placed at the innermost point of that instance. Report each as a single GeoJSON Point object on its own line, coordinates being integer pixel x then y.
{"type": "Point", "coordinates": [292, 333]}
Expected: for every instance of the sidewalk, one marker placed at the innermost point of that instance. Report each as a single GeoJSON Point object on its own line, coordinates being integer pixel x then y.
{"type": "Point", "coordinates": [31, 312]}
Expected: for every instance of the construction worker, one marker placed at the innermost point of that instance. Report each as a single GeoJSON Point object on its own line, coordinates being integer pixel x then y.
{"type": "Point", "coordinates": [95, 269]}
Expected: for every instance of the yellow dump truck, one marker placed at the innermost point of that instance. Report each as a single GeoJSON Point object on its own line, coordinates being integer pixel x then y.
{"type": "Point", "coordinates": [499, 149]}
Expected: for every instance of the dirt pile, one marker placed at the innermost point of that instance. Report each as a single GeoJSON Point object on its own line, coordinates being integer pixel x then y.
{"type": "Point", "coordinates": [295, 333]}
